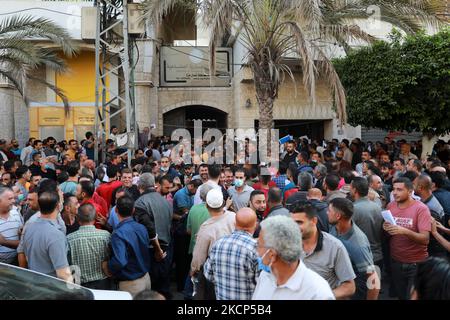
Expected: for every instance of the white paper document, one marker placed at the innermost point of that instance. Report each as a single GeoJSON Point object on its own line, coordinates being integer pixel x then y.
{"type": "Point", "coordinates": [388, 217]}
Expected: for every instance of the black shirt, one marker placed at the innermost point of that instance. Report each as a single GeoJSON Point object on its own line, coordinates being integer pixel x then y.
{"type": "Point", "coordinates": [50, 174]}
{"type": "Point", "coordinates": [133, 191]}
{"type": "Point", "coordinates": [288, 158]}
{"type": "Point", "coordinates": [72, 228]}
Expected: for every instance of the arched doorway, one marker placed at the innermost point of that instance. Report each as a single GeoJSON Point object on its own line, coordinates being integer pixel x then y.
{"type": "Point", "coordinates": [184, 117]}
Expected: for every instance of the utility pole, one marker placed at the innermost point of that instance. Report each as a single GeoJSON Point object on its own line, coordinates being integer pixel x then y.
{"type": "Point", "coordinates": [113, 58]}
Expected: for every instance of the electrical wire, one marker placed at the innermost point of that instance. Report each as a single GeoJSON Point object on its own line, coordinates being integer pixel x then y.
{"type": "Point", "coordinates": [36, 8]}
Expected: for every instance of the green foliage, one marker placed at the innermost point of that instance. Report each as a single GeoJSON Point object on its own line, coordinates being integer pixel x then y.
{"type": "Point", "coordinates": [402, 85]}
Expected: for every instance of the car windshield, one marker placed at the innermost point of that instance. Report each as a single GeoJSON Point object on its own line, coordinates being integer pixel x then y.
{"type": "Point", "coordinates": [22, 284]}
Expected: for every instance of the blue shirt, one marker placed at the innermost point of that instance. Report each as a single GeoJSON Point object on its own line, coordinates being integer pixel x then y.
{"type": "Point", "coordinates": [280, 181]}
{"type": "Point", "coordinates": [17, 152]}
{"type": "Point", "coordinates": [303, 168]}
{"type": "Point", "coordinates": [130, 259]}
{"type": "Point", "coordinates": [182, 199]}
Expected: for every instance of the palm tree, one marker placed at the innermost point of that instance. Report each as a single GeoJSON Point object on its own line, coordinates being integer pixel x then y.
{"type": "Point", "coordinates": [20, 56]}
{"type": "Point", "coordinates": [272, 29]}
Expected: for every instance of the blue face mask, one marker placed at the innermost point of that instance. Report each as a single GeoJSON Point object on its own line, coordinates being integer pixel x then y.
{"type": "Point", "coordinates": [261, 265]}
{"type": "Point", "coordinates": [238, 183]}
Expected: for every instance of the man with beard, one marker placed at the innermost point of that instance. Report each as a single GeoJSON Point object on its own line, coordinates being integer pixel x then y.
{"type": "Point", "coordinates": [291, 153]}
{"type": "Point", "coordinates": [49, 149]}
{"type": "Point", "coordinates": [386, 171]}
{"type": "Point", "coordinates": [376, 184]}
{"type": "Point", "coordinates": [258, 203]}
{"type": "Point", "coordinates": [323, 253]}
{"type": "Point", "coordinates": [342, 163]}
{"type": "Point", "coordinates": [15, 148]}
{"type": "Point", "coordinates": [409, 237]}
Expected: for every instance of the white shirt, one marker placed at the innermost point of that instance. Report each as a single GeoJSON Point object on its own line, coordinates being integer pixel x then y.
{"type": "Point", "coordinates": [3, 156]}
{"type": "Point", "coordinates": [304, 284]}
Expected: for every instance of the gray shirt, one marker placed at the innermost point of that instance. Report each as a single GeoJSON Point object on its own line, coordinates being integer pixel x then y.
{"type": "Point", "coordinates": [278, 211]}
{"type": "Point", "coordinates": [433, 204]}
{"type": "Point", "coordinates": [334, 194]}
{"type": "Point", "coordinates": [330, 260]}
{"type": "Point", "coordinates": [153, 202]}
{"type": "Point", "coordinates": [60, 225]}
{"type": "Point", "coordinates": [240, 199]}
{"type": "Point", "coordinates": [358, 248]}
{"type": "Point", "coordinates": [45, 247]}
{"type": "Point", "coordinates": [367, 216]}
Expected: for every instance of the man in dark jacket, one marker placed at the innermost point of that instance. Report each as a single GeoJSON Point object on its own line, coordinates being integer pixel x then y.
{"type": "Point", "coordinates": [155, 213]}
{"type": "Point", "coordinates": [314, 197]}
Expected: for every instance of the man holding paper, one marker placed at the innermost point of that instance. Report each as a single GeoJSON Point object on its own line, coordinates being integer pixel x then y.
{"type": "Point", "coordinates": [409, 236]}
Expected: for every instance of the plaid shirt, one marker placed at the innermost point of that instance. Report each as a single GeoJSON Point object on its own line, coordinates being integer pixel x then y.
{"type": "Point", "coordinates": [280, 181]}
{"type": "Point", "coordinates": [233, 267]}
{"type": "Point", "coordinates": [88, 248]}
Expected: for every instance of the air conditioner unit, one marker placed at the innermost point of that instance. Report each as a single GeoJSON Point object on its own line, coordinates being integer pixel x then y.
{"type": "Point", "coordinates": [88, 23]}
{"type": "Point", "coordinates": [136, 24]}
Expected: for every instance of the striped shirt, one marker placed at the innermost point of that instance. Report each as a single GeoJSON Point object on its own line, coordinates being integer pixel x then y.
{"type": "Point", "coordinates": [88, 248]}
{"type": "Point", "coordinates": [9, 229]}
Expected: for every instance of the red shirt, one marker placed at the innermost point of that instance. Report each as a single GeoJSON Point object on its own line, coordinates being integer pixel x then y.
{"type": "Point", "coordinates": [101, 202]}
{"type": "Point", "coordinates": [289, 193]}
{"type": "Point", "coordinates": [106, 190]}
{"type": "Point", "coordinates": [98, 209]}
{"type": "Point", "coordinates": [416, 218]}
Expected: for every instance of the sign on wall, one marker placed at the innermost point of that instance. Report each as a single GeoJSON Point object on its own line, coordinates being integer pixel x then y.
{"type": "Point", "coordinates": [189, 67]}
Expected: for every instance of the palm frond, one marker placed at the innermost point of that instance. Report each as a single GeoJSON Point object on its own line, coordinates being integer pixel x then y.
{"type": "Point", "coordinates": [60, 93]}
{"type": "Point", "coordinates": [307, 58]}
{"type": "Point", "coordinates": [26, 27]}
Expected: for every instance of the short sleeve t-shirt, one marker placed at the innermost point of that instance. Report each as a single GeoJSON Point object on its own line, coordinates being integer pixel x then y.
{"type": "Point", "coordinates": [358, 248]}
{"type": "Point", "coordinates": [416, 218]}
{"type": "Point", "coordinates": [197, 215]}
{"type": "Point", "coordinates": [9, 229]}
{"type": "Point", "coordinates": [330, 260]}
{"type": "Point", "coordinates": [45, 247]}
{"type": "Point", "coordinates": [68, 187]}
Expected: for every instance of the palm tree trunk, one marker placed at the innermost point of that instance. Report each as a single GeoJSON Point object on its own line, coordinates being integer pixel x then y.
{"type": "Point", "coordinates": [265, 95]}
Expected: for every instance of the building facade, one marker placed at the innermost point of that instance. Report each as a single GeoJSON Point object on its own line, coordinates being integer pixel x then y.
{"type": "Point", "coordinates": [172, 86]}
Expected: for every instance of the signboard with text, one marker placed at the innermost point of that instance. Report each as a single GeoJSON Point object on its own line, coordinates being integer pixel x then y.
{"type": "Point", "coordinates": [189, 67]}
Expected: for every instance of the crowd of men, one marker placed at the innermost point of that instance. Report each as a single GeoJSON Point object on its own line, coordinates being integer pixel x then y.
{"type": "Point", "coordinates": [315, 228]}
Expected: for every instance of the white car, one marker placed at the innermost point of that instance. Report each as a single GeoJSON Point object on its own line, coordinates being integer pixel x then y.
{"type": "Point", "coordinates": [22, 284]}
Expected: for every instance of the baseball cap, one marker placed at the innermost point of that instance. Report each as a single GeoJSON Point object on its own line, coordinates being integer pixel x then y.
{"type": "Point", "coordinates": [214, 198]}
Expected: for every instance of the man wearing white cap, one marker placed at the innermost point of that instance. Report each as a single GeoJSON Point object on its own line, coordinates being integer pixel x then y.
{"type": "Point", "coordinates": [221, 223]}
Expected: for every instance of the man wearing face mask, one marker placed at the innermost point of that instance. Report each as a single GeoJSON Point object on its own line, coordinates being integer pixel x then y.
{"type": "Point", "coordinates": [166, 169]}
{"type": "Point", "coordinates": [240, 192]}
{"type": "Point", "coordinates": [45, 170]}
{"type": "Point", "coordinates": [49, 149]}
{"type": "Point", "coordinates": [284, 275]}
